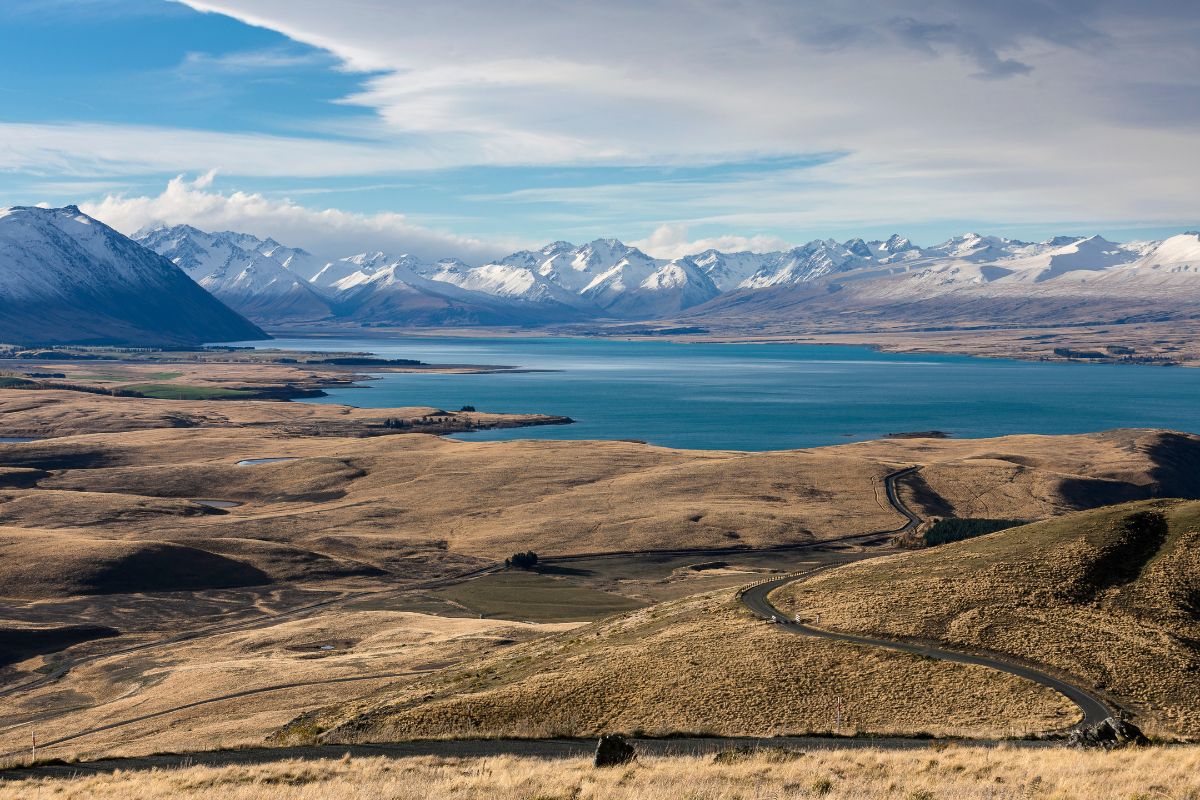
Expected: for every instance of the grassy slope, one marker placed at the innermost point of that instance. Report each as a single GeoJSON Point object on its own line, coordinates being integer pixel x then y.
{"type": "Point", "coordinates": [1111, 596]}
{"type": "Point", "coordinates": [702, 664]}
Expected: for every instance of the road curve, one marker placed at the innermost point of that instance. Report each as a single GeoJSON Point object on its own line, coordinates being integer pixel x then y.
{"type": "Point", "coordinates": [1093, 708]}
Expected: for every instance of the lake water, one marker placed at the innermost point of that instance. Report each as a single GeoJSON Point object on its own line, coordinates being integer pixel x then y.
{"type": "Point", "coordinates": [767, 397]}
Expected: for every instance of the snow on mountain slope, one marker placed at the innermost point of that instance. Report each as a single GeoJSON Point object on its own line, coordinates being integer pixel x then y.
{"type": "Point", "coordinates": [667, 290]}
{"type": "Point", "coordinates": [1182, 252]}
{"type": "Point", "coordinates": [802, 264]}
{"type": "Point", "coordinates": [68, 278]}
{"type": "Point", "coordinates": [1167, 268]}
{"type": "Point", "coordinates": [606, 278]}
{"type": "Point", "coordinates": [974, 247]}
{"type": "Point", "coordinates": [1091, 254]}
{"type": "Point", "coordinates": [242, 270]}
{"type": "Point", "coordinates": [602, 278]}
{"type": "Point", "coordinates": [363, 264]}
{"type": "Point", "coordinates": [505, 280]}
{"type": "Point", "coordinates": [984, 279]}
{"type": "Point", "coordinates": [728, 270]}
{"type": "Point", "coordinates": [397, 293]}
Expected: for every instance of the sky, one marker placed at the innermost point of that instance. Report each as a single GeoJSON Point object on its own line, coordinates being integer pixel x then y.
{"type": "Point", "coordinates": [470, 129]}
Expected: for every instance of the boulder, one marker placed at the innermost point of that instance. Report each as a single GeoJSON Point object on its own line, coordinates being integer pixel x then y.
{"type": "Point", "coordinates": [613, 751]}
{"type": "Point", "coordinates": [1108, 734]}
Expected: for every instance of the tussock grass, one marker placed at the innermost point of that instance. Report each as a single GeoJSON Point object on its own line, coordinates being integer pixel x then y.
{"type": "Point", "coordinates": [954, 773]}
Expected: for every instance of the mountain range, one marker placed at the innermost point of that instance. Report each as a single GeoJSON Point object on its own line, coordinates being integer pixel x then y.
{"type": "Point", "coordinates": [66, 278]}
{"type": "Point", "coordinates": [985, 277]}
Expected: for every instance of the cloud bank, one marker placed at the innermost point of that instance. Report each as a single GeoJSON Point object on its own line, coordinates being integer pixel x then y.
{"type": "Point", "coordinates": [328, 233]}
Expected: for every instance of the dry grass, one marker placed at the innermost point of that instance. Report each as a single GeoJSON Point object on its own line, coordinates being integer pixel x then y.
{"type": "Point", "coordinates": [405, 503]}
{"type": "Point", "coordinates": [699, 665]}
{"type": "Point", "coordinates": [125, 686]}
{"type": "Point", "coordinates": [1111, 596]}
{"type": "Point", "coordinates": [955, 773]}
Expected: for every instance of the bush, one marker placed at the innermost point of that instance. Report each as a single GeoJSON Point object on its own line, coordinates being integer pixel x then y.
{"type": "Point", "coordinates": [522, 560]}
{"type": "Point", "coordinates": [953, 529]}
{"type": "Point", "coordinates": [467, 408]}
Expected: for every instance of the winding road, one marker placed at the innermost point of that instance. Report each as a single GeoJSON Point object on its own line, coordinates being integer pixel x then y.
{"type": "Point", "coordinates": [757, 599]}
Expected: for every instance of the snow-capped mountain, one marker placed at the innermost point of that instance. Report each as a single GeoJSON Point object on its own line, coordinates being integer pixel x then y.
{"type": "Point", "coordinates": [256, 277]}
{"type": "Point", "coordinates": [603, 278]}
{"type": "Point", "coordinates": [993, 280]}
{"type": "Point", "coordinates": [403, 291]}
{"type": "Point", "coordinates": [68, 278]}
{"type": "Point", "coordinates": [608, 279]}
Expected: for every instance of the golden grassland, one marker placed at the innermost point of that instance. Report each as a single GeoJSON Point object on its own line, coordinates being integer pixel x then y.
{"type": "Point", "coordinates": [949, 773]}
{"type": "Point", "coordinates": [360, 644]}
{"type": "Point", "coordinates": [1111, 596]}
{"type": "Point", "coordinates": [701, 665]}
{"type": "Point", "coordinates": [408, 503]}
{"type": "Point", "coordinates": [102, 528]}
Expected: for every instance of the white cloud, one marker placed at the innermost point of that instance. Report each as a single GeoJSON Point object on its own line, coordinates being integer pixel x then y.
{"type": "Point", "coordinates": [1022, 109]}
{"type": "Point", "coordinates": [329, 233]}
{"type": "Point", "coordinates": [672, 241]}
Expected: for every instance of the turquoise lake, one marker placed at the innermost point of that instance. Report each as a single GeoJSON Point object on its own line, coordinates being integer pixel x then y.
{"type": "Point", "coordinates": [766, 397]}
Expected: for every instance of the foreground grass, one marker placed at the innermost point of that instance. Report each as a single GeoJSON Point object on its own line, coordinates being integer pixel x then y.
{"type": "Point", "coordinates": [926, 774]}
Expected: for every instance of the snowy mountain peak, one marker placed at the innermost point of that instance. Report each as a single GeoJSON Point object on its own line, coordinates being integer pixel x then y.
{"type": "Point", "coordinates": [897, 244]}
{"type": "Point", "coordinates": [242, 270]}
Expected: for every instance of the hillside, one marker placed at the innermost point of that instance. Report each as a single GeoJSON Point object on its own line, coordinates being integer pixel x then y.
{"type": "Point", "coordinates": [67, 278]}
{"type": "Point", "coordinates": [699, 665]}
{"type": "Point", "coordinates": [1111, 596]}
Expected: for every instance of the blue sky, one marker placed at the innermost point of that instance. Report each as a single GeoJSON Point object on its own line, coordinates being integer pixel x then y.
{"type": "Point", "coordinates": [472, 128]}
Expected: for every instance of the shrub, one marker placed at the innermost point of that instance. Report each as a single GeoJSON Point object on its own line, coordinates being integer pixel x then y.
{"type": "Point", "coordinates": [522, 560]}
{"type": "Point", "coordinates": [953, 529]}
